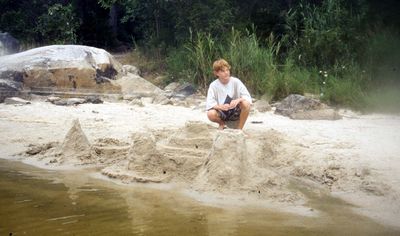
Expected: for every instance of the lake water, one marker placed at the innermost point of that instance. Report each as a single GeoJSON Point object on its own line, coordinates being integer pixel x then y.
{"type": "Point", "coordinates": [41, 202]}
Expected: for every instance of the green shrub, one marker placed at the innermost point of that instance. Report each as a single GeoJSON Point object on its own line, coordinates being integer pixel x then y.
{"type": "Point", "coordinates": [58, 25]}
{"type": "Point", "coordinates": [322, 35]}
{"type": "Point", "coordinates": [292, 79]}
{"type": "Point", "coordinates": [178, 66]}
{"type": "Point", "coordinates": [345, 93]}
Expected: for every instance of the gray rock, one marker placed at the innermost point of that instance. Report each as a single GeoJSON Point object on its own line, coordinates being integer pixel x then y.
{"type": "Point", "coordinates": [52, 99]}
{"type": "Point", "coordinates": [184, 90]}
{"type": "Point", "coordinates": [171, 87]}
{"type": "Point", "coordinates": [136, 102]}
{"type": "Point", "coordinates": [93, 99]}
{"type": "Point", "coordinates": [162, 100]}
{"type": "Point", "coordinates": [8, 44]}
{"type": "Point", "coordinates": [295, 102]}
{"type": "Point", "coordinates": [16, 101]}
{"type": "Point", "coordinates": [299, 107]}
{"type": "Point", "coordinates": [69, 101]}
{"type": "Point", "coordinates": [130, 69]}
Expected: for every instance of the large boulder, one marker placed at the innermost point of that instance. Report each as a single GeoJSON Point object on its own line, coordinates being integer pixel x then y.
{"type": "Point", "coordinates": [299, 107]}
{"type": "Point", "coordinates": [62, 67]}
{"type": "Point", "coordinates": [8, 44]}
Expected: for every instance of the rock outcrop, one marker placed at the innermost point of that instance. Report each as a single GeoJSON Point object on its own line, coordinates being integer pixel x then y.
{"type": "Point", "coordinates": [61, 67]}
{"type": "Point", "coordinates": [302, 108]}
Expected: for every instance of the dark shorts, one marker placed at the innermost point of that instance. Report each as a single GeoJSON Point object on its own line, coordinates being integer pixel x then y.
{"type": "Point", "coordinates": [230, 115]}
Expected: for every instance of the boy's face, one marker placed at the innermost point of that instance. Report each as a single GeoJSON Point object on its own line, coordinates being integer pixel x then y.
{"type": "Point", "coordinates": [223, 75]}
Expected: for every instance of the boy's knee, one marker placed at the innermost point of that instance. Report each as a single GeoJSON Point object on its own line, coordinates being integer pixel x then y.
{"type": "Point", "coordinates": [212, 115]}
{"type": "Point", "coordinates": [245, 105]}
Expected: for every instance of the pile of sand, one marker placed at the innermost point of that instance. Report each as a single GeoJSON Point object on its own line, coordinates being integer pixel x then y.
{"type": "Point", "coordinates": [211, 161]}
{"type": "Point", "coordinates": [76, 146]}
{"type": "Point", "coordinates": [77, 150]}
{"type": "Point", "coordinates": [205, 160]}
{"type": "Point", "coordinates": [165, 155]}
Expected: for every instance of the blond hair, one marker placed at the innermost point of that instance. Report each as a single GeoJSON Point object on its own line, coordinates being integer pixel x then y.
{"type": "Point", "coordinates": [220, 64]}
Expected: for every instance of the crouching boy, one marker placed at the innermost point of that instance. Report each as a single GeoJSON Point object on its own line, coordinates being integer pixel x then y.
{"type": "Point", "coordinates": [227, 98]}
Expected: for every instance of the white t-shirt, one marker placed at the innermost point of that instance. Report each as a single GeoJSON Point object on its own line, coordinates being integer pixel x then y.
{"type": "Point", "coordinates": [218, 92]}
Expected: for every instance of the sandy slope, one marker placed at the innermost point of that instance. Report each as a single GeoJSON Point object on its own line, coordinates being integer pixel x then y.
{"type": "Point", "coordinates": [356, 158]}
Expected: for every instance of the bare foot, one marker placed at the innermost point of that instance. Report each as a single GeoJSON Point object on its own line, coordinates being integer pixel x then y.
{"type": "Point", "coordinates": [245, 134]}
{"type": "Point", "coordinates": [221, 126]}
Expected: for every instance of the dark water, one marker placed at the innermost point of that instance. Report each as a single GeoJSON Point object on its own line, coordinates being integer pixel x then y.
{"type": "Point", "coordinates": [41, 202]}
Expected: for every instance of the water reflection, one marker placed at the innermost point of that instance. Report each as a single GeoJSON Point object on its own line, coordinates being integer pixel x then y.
{"type": "Point", "coordinates": [39, 202]}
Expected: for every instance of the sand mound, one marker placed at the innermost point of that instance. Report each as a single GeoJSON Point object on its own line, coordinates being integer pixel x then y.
{"type": "Point", "coordinates": [165, 155]}
{"type": "Point", "coordinates": [77, 150]}
{"type": "Point", "coordinates": [207, 160]}
{"type": "Point", "coordinates": [76, 147]}
{"type": "Point", "coordinates": [227, 165]}
{"type": "Point", "coordinates": [107, 151]}
{"type": "Point", "coordinates": [236, 165]}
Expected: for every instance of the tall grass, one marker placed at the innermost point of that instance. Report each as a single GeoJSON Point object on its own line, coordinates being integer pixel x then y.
{"type": "Point", "coordinates": [250, 62]}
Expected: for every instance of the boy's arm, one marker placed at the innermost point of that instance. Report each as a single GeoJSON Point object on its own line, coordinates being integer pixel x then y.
{"type": "Point", "coordinates": [244, 93]}
{"type": "Point", "coordinates": [222, 107]}
{"type": "Point", "coordinates": [235, 102]}
{"type": "Point", "coordinates": [212, 102]}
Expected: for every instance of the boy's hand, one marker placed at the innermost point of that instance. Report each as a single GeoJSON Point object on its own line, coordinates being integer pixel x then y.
{"type": "Point", "coordinates": [234, 103]}
{"type": "Point", "coordinates": [224, 107]}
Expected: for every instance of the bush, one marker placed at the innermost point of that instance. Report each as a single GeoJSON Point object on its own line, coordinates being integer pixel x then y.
{"type": "Point", "coordinates": [324, 35]}
{"type": "Point", "coordinates": [292, 79]}
{"type": "Point", "coordinates": [58, 25]}
{"type": "Point", "coordinates": [344, 92]}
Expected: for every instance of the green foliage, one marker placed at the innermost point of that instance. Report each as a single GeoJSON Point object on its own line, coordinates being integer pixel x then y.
{"type": "Point", "coordinates": [202, 51]}
{"type": "Point", "coordinates": [345, 86]}
{"type": "Point", "coordinates": [353, 43]}
{"type": "Point", "coordinates": [39, 22]}
{"type": "Point", "coordinates": [292, 79]}
{"type": "Point", "coordinates": [59, 25]}
{"type": "Point", "coordinates": [178, 66]}
{"type": "Point", "coordinates": [252, 63]}
{"type": "Point", "coordinates": [13, 21]}
{"type": "Point", "coordinates": [345, 93]}
{"type": "Point", "coordinates": [324, 35]}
